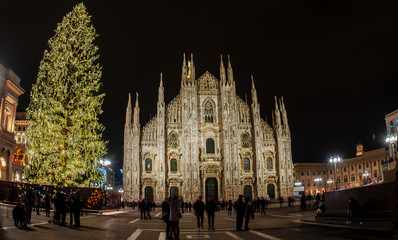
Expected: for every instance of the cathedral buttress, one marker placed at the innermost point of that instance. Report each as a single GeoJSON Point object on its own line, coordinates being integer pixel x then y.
{"type": "Point", "coordinates": [127, 164]}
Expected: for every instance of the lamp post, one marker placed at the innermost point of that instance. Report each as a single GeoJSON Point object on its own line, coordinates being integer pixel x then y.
{"type": "Point", "coordinates": [329, 181]}
{"type": "Point", "coordinates": [335, 160]}
{"type": "Point", "coordinates": [365, 177]}
{"type": "Point", "coordinates": [317, 181]}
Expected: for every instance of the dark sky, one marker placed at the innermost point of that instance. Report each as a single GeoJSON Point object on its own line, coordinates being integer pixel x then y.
{"type": "Point", "coordinates": [335, 62]}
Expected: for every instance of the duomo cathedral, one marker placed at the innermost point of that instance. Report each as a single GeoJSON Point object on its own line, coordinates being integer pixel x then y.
{"type": "Point", "coordinates": [207, 141]}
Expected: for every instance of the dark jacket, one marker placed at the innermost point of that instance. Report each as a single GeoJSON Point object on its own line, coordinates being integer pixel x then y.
{"type": "Point", "coordinates": [211, 207]}
{"type": "Point", "coordinates": [199, 207]}
{"type": "Point", "coordinates": [240, 207]}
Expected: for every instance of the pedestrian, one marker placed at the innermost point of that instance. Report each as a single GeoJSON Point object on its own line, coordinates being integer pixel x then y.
{"type": "Point", "coordinates": [229, 207]}
{"type": "Point", "coordinates": [189, 206]}
{"type": "Point", "coordinates": [303, 202]}
{"type": "Point", "coordinates": [123, 205]}
{"type": "Point", "coordinates": [29, 200]}
{"type": "Point", "coordinates": [37, 202]}
{"type": "Point", "coordinates": [47, 204]}
{"type": "Point", "coordinates": [19, 216]}
{"type": "Point", "coordinates": [210, 209]}
{"type": "Point", "coordinates": [281, 201]}
{"type": "Point", "coordinates": [76, 209]}
{"type": "Point", "coordinates": [350, 210]}
{"type": "Point", "coordinates": [142, 207]}
{"type": "Point", "coordinates": [148, 209]}
{"type": "Point", "coordinates": [289, 202]}
{"type": "Point", "coordinates": [240, 213]}
{"type": "Point", "coordinates": [175, 216]}
{"type": "Point", "coordinates": [69, 204]}
{"type": "Point", "coordinates": [166, 217]}
{"type": "Point", "coordinates": [199, 208]}
{"type": "Point", "coordinates": [263, 206]}
{"type": "Point", "coordinates": [249, 213]}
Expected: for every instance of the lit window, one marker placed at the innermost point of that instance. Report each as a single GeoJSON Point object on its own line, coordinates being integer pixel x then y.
{"type": "Point", "coordinates": [391, 127]}
{"type": "Point", "coordinates": [245, 140]}
{"type": "Point", "coordinates": [246, 164]}
{"type": "Point", "coordinates": [148, 165]}
{"type": "Point", "coordinates": [173, 143]}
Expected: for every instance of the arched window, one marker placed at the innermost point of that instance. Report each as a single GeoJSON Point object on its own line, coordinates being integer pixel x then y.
{"type": "Point", "coordinates": [246, 164]}
{"type": "Point", "coordinates": [148, 165]}
{"type": "Point", "coordinates": [173, 165]}
{"type": "Point", "coordinates": [208, 112]}
{"type": "Point", "coordinates": [392, 127]}
{"type": "Point", "coordinates": [245, 140]}
{"type": "Point", "coordinates": [173, 143]}
{"type": "Point", "coordinates": [270, 163]}
{"type": "Point", "coordinates": [210, 145]}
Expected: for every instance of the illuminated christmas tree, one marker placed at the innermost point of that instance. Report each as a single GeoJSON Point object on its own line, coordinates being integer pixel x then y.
{"type": "Point", "coordinates": [65, 137]}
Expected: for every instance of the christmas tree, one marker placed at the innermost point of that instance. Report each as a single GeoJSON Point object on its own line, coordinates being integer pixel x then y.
{"type": "Point", "coordinates": [65, 137]}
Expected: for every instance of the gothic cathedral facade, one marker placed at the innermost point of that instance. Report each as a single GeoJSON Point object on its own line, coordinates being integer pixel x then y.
{"type": "Point", "coordinates": [207, 141]}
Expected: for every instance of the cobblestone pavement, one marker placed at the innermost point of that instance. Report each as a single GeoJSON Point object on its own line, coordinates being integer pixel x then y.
{"type": "Point", "coordinates": [121, 225]}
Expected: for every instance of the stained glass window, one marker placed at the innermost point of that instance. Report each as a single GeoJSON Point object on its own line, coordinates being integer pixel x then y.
{"type": "Point", "coordinates": [173, 143]}
{"type": "Point", "coordinates": [270, 164]}
{"type": "Point", "coordinates": [173, 165]}
{"type": "Point", "coordinates": [246, 164]}
{"type": "Point", "coordinates": [245, 140]}
{"type": "Point", "coordinates": [208, 112]}
{"type": "Point", "coordinates": [148, 165]}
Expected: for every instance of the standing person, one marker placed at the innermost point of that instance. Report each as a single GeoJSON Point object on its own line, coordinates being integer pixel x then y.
{"type": "Point", "coordinates": [281, 201]}
{"type": "Point", "coordinates": [182, 206]}
{"type": "Point", "coordinates": [47, 204]}
{"type": "Point", "coordinates": [142, 207]}
{"type": "Point", "coordinates": [123, 205]}
{"type": "Point", "coordinates": [240, 213]}
{"type": "Point", "coordinates": [249, 212]}
{"type": "Point", "coordinates": [229, 207]}
{"type": "Point", "coordinates": [289, 201]}
{"type": "Point", "coordinates": [262, 206]}
{"type": "Point", "coordinates": [166, 217]}
{"type": "Point", "coordinates": [210, 209]}
{"type": "Point", "coordinates": [29, 201]}
{"type": "Point", "coordinates": [189, 206]}
{"type": "Point", "coordinates": [69, 204]}
{"type": "Point", "coordinates": [350, 211]}
{"type": "Point", "coordinates": [175, 216]}
{"type": "Point", "coordinates": [199, 208]}
{"type": "Point", "coordinates": [76, 209]}
{"type": "Point", "coordinates": [303, 202]}
{"type": "Point", "coordinates": [38, 203]}
{"type": "Point", "coordinates": [148, 208]}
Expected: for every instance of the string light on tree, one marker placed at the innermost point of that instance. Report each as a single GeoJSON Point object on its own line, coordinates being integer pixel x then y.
{"type": "Point", "coordinates": [65, 137]}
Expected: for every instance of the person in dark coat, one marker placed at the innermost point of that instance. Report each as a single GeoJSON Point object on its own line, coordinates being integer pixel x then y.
{"type": "Point", "coordinates": [303, 201]}
{"type": "Point", "coordinates": [76, 206]}
{"type": "Point", "coordinates": [199, 208]}
{"type": "Point", "coordinates": [240, 213]}
{"type": "Point", "coordinates": [142, 208]}
{"type": "Point", "coordinates": [29, 201]}
{"type": "Point", "coordinates": [19, 215]}
{"type": "Point", "coordinates": [248, 212]}
{"type": "Point", "coordinates": [166, 217]}
{"type": "Point", "coordinates": [37, 202]}
{"type": "Point", "coordinates": [47, 204]}
{"type": "Point", "coordinates": [210, 209]}
{"type": "Point", "coordinates": [148, 208]}
{"type": "Point", "coordinates": [69, 204]}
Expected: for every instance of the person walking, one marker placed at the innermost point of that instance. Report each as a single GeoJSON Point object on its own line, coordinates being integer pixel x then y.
{"type": "Point", "coordinates": [166, 217]}
{"type": "Point", "coordinates": [175, 216]}
{"type": "Point", "coordinates": [210, 209]}
{"type": "Point", "coordinates": [262, 206]}
{"type": "Point", "coordinates": [289, 202]}
{"type": "Point", "coordinates": [240, 213]}
{"type": "Point", "coordinates": [47, 204]}
{"type": "Point", "coordinates": [249, 212]}
{"type": "Point", "coordinates": [148, 208]}
{"type": "Point", "coordinates": [29, 200]}
{"type": "Point", "coordinates": [229, 207]}
{"type": "Point", "coordinates": [303, 203]}
{"type": "Point", "coordinates": [38, 203]}
{"type": "Point", "coordinates": [199, 208]}
{"type": "Point", "coordinates": [142, 207]}
{"type": "Point", "coordinates": [76, 209]}
{"type": "Point", "coordinates": [281, 201]}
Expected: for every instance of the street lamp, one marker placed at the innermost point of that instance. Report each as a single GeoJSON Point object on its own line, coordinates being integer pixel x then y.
{"type": "Point", "coordinates": [365, 176]}
{"type": "Point", "coordinates": [330, 181]}
{"type": "Point", "coordinates": [297, 184]}
{"type": "Point", "coordinates": [391, 139]}
{"type": "Point", "coordinates": [335, 160]}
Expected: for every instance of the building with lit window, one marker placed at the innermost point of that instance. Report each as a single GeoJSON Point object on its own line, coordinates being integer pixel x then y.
{"type": "Point", "coordinates": [392, 129]}
{"type": "Point", "coordinates": [363, 169]}
{"type": "Point", "coordinates": [10, 90]}
{"type": "Point", "coordinates": [207, 141]}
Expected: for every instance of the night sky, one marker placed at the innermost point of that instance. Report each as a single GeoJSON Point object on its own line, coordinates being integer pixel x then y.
{"type": "Point", "coordinates": [335, 62]}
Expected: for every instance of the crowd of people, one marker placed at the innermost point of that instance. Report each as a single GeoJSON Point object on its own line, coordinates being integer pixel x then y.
{"type": "Point", "coordinates": [61, 203]}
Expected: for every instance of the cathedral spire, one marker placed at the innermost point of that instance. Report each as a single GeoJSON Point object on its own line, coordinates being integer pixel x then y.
{"type": "Point", "coordinates": [192, 70]}
{"type": "Point", "coordinates": [136, 119]}
{"type": "Point", "coordinates": [222, 72]}
{"type": "Point", "coordinates": [230, 72]}
{"type": "Point", "coordinates": [184, 71]}
{"type": "Point", "coordinates": [161, 89]}
{"type": "Point", "coordinates": [128, 114]}
{"type": "Point", "coordinates": [277, 114]}
{"type": "Point", "coordinates": [254, 92]}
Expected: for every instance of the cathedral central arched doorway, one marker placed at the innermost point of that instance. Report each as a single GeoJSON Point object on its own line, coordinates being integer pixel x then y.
{"type": "Point", "coordinates": [174, 191]}
{"type": "Point", "coordinates": [149, 193]}
{"type": "Point", "coordinates": [212, 188]}
{"type": "Point", "coordinates": [271, 191]}
{"type": "Point", "coordinates": [248, 191]}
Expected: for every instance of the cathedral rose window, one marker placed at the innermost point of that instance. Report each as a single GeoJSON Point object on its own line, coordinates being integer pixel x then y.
{"type": "Point", "coordinates": [209, 118]}
{"type": "Point", "coordinates": [148, 165]}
